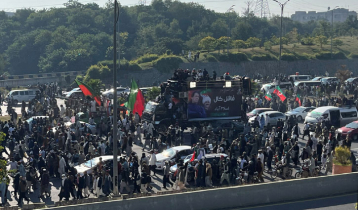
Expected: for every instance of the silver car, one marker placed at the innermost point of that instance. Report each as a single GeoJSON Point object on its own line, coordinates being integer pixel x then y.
{"type": "Point", "coordinates": [274, 116]}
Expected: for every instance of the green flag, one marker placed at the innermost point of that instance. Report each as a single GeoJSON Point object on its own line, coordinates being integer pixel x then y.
{"type": "Point", "coordinates": [132, 96]}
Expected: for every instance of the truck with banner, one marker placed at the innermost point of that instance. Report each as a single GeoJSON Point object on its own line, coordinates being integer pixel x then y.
{"type": "Point", "coordinates": [197, 101]}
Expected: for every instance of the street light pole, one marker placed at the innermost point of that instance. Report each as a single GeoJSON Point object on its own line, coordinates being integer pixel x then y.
{"type": "Point", "coordinates": [332, 30]}
{"type": "Point", "coordinates": [229, 31]}
{"type": "Point", "coordinates": [115, 147]}
{"type": "Point", "coordinates": [281, 31]}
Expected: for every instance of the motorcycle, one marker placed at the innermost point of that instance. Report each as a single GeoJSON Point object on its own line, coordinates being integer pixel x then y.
{"type": "Point", "coordinates": [304, 171]}
{"type": "Point", "coordinates": [278, 171]}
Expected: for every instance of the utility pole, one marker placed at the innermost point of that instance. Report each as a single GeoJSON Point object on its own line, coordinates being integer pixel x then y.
{"type": "Point", "coordinates": [229, 29]}
{"type": "Point", "coordinates": [281, 31]}
{"type": "Point", "coordinates": [332, 30]}
{"type": "Point", "coordinates": [115, 147]}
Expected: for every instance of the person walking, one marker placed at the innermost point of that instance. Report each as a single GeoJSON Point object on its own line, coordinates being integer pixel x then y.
{"type": "Point", "coordinates": [23, 191]}
{"type": "Point", "coordinates": [166, 180]}
{"type": "Point", "coordinates": [45, 182]}
{"type": "Point", "coordinates": [152, 161]}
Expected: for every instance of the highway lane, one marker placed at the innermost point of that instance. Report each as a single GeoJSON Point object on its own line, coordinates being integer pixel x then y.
{"type": "Point", "coordinates": [340, 202]}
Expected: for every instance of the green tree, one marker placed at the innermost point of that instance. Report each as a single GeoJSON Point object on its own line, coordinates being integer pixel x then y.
{"type": "Point", "coordinates": [253, 42]}
{"type": "Point", "coordinates": [222, 43]}
{"type": "Point", "coordinates": [240, 44]}
{"type": "Point", "coordinates": [96, 85]}
{"type": "Point", "coordinates": [321, 40]}
{"type": "Point", "coordinates": [152, 93]}
{"type": "Point", "coordinates": [208, 43]}
{"type": "Point", "coordinates": [268, 45]}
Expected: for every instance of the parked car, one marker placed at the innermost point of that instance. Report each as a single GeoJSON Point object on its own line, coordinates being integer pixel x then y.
{"type": "Point", "coordinates": [317, 79]}
{"type": "Point", "coordinates": [170, 155]}
{"type": "Point", "coordinates": [75, 94]}
{"type": "Point", "coordinates": [300, 112]}
{"type": "Point", "coordinates": [274, 116]}
{"type": "Point", "coordinates": [227, 124]}
{"type": "Point", "coordinates": [350, 129]}
{"type": "Point", "coordinates": [90, 165]}
{"type": "Point", "coordinates": [191, 172]}
{"type": "Point", "coordinates": [73, 90]}
{"type": "Point", "coordinates": [257, 111]}
{"type": "Point", "coordinates": [72, 126]}
{"type": "Point", "coordinates": [352, 80]}
{"type": "Point", "coordinates": [120, 90]}
{"type": "Point", "coordinates": [329, 80]}
{"type": "Point", "coordinates": [22, 95]}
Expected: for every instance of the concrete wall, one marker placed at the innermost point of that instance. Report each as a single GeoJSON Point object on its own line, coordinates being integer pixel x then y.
{"type": "Point", "coordinates": [239, 196]}
{"type": "Point", "coordinates": [317, 67]}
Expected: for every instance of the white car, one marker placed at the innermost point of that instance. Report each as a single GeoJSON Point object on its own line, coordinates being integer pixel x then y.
{"type": "Point", "coordinates": [91, 164]}
{"type": "Point", "coordinates": [170, 154]}
{"type": "Point", "coordinates": [73, 90]}
{"type": "Point", "coordinates": [109, 93]}
{"type": "Point", "coordinates": [72, 126]}
{"type": "Point", "coordinates": [300, 112]}
{"type": "Point", "coordinates": [274, 116]}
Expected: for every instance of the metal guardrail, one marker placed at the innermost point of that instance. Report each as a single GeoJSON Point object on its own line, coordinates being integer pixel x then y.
{"type": "Point", "coordinates": [44, 75]}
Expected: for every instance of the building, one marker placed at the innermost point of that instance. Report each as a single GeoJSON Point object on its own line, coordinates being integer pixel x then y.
{"type": "Point", "coordinates": [339, 15]}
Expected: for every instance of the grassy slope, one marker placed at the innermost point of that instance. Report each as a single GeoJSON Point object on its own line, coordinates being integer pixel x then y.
{"type": "Point", "coordinates": [350, 45]}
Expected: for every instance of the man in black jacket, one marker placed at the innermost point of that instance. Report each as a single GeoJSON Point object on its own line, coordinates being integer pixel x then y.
{"type": "Point", "coordinates": [80, 182]}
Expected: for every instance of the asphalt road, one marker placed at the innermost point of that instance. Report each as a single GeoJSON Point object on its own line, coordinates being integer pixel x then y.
{"type": "Point", "coordinates": [157, 180]}
{"type": "Point", "coordinates": [341, 202]}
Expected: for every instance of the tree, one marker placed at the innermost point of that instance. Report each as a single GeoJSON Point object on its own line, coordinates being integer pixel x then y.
{"type": "Point", "coordinates": [152, 93]}
{"type": "Point", "coordinates": [222, 43]}
{"type": "Point", "coordinates": [353, 32]}
{"type": "Point", "coordinates": [219, 28]}
{"type": "Point", "coordinates": [293, 36]}
{"type": "Point", "coordinates": [337, 42]}
{"type": "Point", "coordinates": [268, 45]}
{"type": "Point", "coordinates": [96, 85]}
{"type": "Point", "coordinates": [321, 40]}
{"type": "Point", "coordinates": [240, 44]}
{"type": "Point", "coordinates": [343, 74]}
{"type": "Point", "coordinates": [208, 43]}
{"type": "Point", "coordinates": [253, 42]}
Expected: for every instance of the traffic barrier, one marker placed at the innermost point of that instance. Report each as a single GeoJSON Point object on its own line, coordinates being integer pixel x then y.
{"type": "Point", "coordinates": [237, 196]}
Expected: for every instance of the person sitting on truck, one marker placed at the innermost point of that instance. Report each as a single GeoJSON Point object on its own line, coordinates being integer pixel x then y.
{"type": "Point", "coordinates": [194, 109]}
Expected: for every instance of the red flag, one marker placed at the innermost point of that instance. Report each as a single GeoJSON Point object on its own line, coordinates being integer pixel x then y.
{"type": "Point", "coordinates": [279, 93]}
{"type": "Point", "coordinates": [87, 91]}
{"type": "Point", "coordinates": [139, 103]}
{"type": "Point", "coordinates": [193, 157]}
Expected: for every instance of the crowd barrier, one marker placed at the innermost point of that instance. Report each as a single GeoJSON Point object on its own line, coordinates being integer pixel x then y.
{"type": "Point", "coordinates": [232, 197]}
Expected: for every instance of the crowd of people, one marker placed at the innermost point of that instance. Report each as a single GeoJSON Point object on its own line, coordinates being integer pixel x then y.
{"type": "Point", "coordinates": [48, 148]}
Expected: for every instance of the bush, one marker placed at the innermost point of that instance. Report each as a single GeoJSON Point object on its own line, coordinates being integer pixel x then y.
{"type": "Point", "coordinates": [167, 63]}
{"type": "Point", "coordinates": [264, 57]}
{"type": "Point", "coordinates": [305, 56]}
{"type": "Point", "coordinates": [231, 57]}
{"type": "Point", "coordinates": [327, 56]}
{"type": "Point", "coordinates": [308, 41]}
{"type": "Point", "coordinates": [210, 58]}
{"type": "Point", "coordinates": [342, 156]}
{"type": "Point", "coordinates": [146, 58]}
{"type": "Point", "coordinates": [288, 57]}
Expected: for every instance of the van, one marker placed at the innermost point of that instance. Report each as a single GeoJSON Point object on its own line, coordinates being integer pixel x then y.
{"type": "Point", "coordinates": [337, 116]}
{"type": "Point", "coordinates": [299, 78]}
{"type": "Point", "coordinates": [22, 95]}
{"type": "Point", "coordinates": [308, 83]}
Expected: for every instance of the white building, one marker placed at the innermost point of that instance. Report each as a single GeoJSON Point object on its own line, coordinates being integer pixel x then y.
{"type": "Point", "coordinates": [339, 15]}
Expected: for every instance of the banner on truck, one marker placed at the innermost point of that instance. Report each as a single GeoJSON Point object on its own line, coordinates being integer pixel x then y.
{"type": "Point", "coordinates": [210, 104]}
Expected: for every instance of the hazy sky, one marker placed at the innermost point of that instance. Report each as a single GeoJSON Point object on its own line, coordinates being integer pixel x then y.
{"type": "Point", "coordinates": [217, 5]}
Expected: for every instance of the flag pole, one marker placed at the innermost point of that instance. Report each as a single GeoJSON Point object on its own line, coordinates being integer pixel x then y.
{"type": "Point", "coordinates": [115, 147]}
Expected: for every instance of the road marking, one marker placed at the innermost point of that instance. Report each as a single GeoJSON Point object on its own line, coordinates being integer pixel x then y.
{"type": "Point", "coordinates": [285, 203]}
